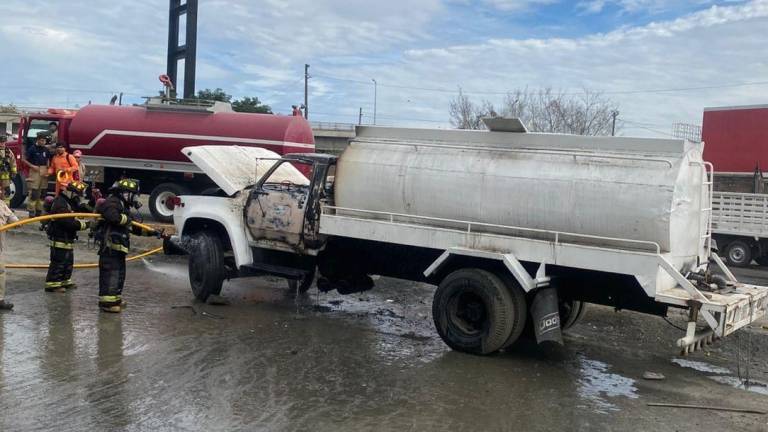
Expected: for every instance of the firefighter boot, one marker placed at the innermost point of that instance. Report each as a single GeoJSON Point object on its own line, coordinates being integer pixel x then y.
{"type": "Point", "coordinates": [5, 305]}
{"type": "Point", "coordinates": [54, 287]}
{"type": "Point", "coordinates": [111, 304]}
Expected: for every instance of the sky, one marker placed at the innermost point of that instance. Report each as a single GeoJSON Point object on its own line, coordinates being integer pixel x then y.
{"type": "Point", "coordinates": [661, 61]}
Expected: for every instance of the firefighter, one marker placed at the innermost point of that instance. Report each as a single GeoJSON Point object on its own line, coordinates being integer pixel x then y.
{"type": "Point", "coordinates": [80, 174]}
{"type": "Point", "coordinates": [63, 233]}
{"type": "Point", "coordinates": [36, 158]}
{"type": "Point", "coordinates": [113, 234]}
{"type": "Point", "coordinates": [7, 169]}
{"type": "Point", "coordinates": [63, 166]}
{"type": "Point", "coordinates": [53, 133]}
{"type": "Point", "coordinates": [6, 216]}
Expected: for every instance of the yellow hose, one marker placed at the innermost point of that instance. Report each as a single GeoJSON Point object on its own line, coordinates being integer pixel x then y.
{"type": "Point", "coordinates": [83, 266]}
{"type": "Point", "coordinates": [64, 216]}
{"type": "Point", "coordinates": [72, 215]}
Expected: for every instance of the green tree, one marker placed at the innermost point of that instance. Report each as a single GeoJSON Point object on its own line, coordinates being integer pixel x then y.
{"type": "Point", "coordinates": [214, 95]}
{"type": "Point", "coordinates": [251, 105]}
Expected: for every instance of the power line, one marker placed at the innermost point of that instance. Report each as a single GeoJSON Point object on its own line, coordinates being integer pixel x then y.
{"type": "Point", "coordinates": [479, 92]}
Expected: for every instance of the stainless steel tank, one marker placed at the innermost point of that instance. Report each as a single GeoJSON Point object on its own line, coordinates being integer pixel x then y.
{"type": "Point", "coordinates": [630, 188]}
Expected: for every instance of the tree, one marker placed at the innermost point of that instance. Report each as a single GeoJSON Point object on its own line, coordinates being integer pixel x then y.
{"type": "Point", "coordinates": [464, 113]}
{"type": "Point", "coordinates": [585, 113]}
{"type": "Point", "coordinates": [214, 95]}
{"type": "Point", "coordinates": [246, 104]}
{"type": "Point", "coordinates": [251, 105]}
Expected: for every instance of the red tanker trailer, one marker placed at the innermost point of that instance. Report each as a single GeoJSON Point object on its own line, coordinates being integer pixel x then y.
{"type": "Point", "coordinates": [145, 142]}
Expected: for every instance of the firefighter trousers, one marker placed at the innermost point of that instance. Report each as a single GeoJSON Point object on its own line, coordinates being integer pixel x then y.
{"type": "Point", "coordinates": [60, 268]}
{"type": "Point", "coordinates": [111, 277]}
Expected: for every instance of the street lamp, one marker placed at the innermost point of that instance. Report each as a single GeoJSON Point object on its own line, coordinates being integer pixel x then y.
{"type": "Point", "coordinates": [375, 88]}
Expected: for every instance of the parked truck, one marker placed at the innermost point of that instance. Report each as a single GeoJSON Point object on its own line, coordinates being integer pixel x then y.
{"type": "Point", "coordinates": [737, 146]}
{"type": "Point", "coordinates": [144, 142]}
{"type": "Point", "coordinates": [516, 229]}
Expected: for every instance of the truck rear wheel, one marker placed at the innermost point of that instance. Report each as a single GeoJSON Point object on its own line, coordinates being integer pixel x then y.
{"type": "Point", "coordinates": [571, 312]}
{"type": "Point", "coordinates": [160, 200]}
{"type": "Point", "coordinates": [475, 311]}
{"type": "Point", "coordinates": [738, 253]}
{"type": "Point", "coordinates": [18, 194]}
{"type": "Point", "coordinates": [206, 265]}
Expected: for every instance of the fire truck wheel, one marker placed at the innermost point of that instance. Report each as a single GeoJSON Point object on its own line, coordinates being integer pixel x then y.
{"type": "Point", "coordinates": [206, 265]}
{"type": "Point", "coordinates": [159, 200]}
{"type": "Point", "coordinates": [475, 312]}
{"type": "Point", "coordinates": [18, 192]}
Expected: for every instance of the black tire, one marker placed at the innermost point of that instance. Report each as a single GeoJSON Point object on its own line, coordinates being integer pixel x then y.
{"type": "Point", "coordinates": [738, 253]}
{"type": "Point", "coordinates": [19, 191]}
{"type": "Point", "coordinates": [571, 312]}
{"type": "Point", "coordinates": [475, 311]}
{"type": "Point", "coordinates": [206, 265]}
{"type": "Point", "coordinates": [158, 206]}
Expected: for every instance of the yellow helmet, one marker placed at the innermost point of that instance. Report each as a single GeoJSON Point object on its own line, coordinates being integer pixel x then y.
{"type": "Point", "coordinates": [77, 187]}
{"type": "Point", "coordinates": [126, 185]}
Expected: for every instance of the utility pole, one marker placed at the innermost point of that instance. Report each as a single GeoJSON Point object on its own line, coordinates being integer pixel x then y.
{"type": "Point", "coordinates": [306, 91]}
{"type": "Point", "coordinates": [188, 51]}
{"type": "Point", "coordinates": [360, 116]}
{"type": "Point", "coordinates": [375, 88]}
{"type": "Point", "coordinates": [613, 126]}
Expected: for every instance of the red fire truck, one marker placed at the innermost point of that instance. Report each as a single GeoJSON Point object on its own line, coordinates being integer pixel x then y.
{"type": "Point", "coordinates": [145, 142]}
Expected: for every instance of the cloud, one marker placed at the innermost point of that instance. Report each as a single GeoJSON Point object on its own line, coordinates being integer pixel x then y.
{"type": "Point", "coordinates": [518, 5]}
{"type": "Point", "coordinates": [708, 48]}
{"type": "Point", "coordinates": [67, 53]}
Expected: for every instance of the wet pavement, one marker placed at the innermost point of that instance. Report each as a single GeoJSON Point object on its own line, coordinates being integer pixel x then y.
{"type": "Point", "coordinates": [369, 361]}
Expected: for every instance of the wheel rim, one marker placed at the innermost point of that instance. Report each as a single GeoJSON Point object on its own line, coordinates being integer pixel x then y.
{"type": "Point", "coordinates": [468, 313]}
{"type": "Point", "coordinates": [736, 254]}
{"type": "Point", "coordinates": [163, 203]}
{"type": "Point", "coordinates": [12, 187]}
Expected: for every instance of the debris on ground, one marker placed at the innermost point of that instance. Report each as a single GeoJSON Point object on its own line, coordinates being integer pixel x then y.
{"type": "Point", "coordinates": [711, 408]}
{"type": "Point", "coordinates": [217, 300]}
{"type": "Point", "coordinates": [653, 376]}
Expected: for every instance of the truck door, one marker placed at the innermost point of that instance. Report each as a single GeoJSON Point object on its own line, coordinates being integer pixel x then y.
{"type": "Point", "coordinates": [278, 203]}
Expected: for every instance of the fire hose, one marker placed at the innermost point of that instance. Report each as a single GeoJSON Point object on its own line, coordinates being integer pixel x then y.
{"type": "Point", "coordinates": [72, 215]}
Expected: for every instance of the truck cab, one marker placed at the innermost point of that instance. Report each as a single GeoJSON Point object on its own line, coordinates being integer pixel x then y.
{"type": "Point", "coordinates": [30, 124]}
{"type": "Point", "coordinates": [283, 208]}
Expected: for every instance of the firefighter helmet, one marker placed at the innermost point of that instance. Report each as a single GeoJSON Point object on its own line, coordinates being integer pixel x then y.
{"type": "Point", "coordinates": [77, 187]}
{"type": "Point", "coordinates": [126, 185]}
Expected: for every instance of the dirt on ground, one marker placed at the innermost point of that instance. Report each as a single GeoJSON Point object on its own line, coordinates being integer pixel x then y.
{"type": "Point", "coordinates": [370, 361]}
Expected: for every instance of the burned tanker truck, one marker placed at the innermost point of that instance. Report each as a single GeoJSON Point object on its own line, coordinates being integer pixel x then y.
{"type": "Point", "coordinates": [514, 228]}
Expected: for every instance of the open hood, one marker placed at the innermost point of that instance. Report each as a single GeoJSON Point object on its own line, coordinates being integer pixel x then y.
{"type": "Point", "coordinates": [232, 168]}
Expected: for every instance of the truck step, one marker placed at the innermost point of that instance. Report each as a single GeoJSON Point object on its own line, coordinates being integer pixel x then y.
{"type": "Point", "coordinates": [273, 270]}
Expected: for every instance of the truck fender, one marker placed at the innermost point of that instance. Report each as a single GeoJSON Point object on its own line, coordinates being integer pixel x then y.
{"type": "Point", "coordinates": [509, 260]}
{"type": "Point", "coordinates": [224, 216]}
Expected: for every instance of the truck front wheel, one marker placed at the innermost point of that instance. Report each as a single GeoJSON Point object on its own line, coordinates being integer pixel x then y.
{"type": "Point", "coordinates": [738, 254]}
{"type": "Point", "coordinates": [475, 312]}
{"type": "Point", "coordinates": [18, 194]}
{"type": "Point", "coordinates": [206, 265]}
{"type": "Point", "coordinates": [160, 200]}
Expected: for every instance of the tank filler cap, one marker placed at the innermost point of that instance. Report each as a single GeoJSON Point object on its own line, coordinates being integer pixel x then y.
{"type": "Point", "coordinates": [505, 124]}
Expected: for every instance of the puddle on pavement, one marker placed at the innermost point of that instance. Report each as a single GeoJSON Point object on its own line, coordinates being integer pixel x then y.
{"type": "Point", "coordinates": [754, 386]}
{"type": "Point", "coordinates": [700, 366]}
{"type": "Point", "coordinates": [596, 385]}
{"type": "Point", "coordinates": [722, 376]}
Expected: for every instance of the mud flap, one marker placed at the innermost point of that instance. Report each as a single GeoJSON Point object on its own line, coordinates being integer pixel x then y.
{"type": "Point", "coordinates": [546, 317]}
